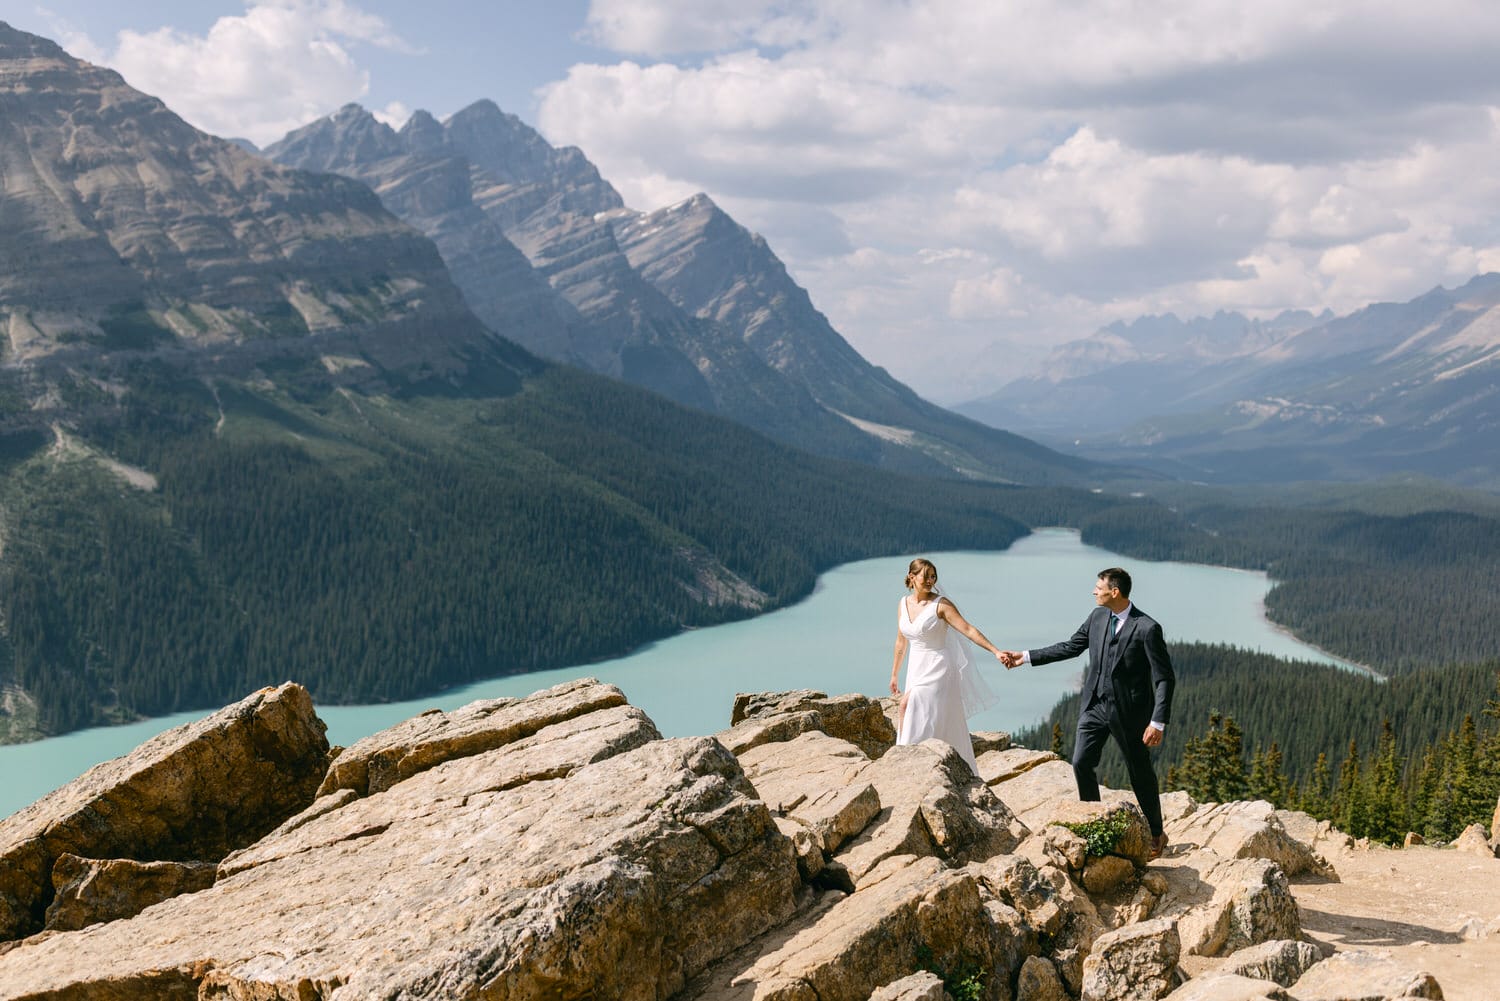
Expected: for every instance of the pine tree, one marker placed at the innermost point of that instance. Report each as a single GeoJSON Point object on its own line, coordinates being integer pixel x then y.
{"type": "Point", "coordinates": [1349, 808]}
{"type": "Point", "coordinates": [1267, 781]}
{"type": "Point", "coordinates": [1057, 739]}
{"type": "Point", "coordinates": [1213, 768]}
{"type": "Point", "coordinates": [1315, 797]}
{"type": "Point", "coordinates": [1384, 796]}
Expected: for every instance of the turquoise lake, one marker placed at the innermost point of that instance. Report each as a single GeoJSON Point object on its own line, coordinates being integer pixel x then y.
{"type": "Point", "coordinates": [839, 639]}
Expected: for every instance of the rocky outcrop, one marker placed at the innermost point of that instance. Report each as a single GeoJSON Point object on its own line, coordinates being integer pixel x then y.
{"type": "Point", "coordinates": [556, 847]}
{"type": "Point", "coordinates": [859, 720]}
{"type": "Point", "coordinates": [1247, 830]}
{"type": "Point", "coordinates": [194, 793]}
{"type": "Point", "coordinates": [380, 761]}
{"type": "Point", "coordinates": [619, 873]}
{"type": "Point", "coordinates": [909, 910]}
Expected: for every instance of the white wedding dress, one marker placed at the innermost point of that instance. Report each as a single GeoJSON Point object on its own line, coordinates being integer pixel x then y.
{"type": "Point", "coordinates": [941, 683]}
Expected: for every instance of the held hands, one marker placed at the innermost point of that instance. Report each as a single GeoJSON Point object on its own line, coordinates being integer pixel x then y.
{"type": "Point", "coordinates": [1010, 658]}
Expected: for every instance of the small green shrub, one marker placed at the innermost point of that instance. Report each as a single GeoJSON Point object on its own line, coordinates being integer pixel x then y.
{"type": "Point", "coordinates": [1103, 833]}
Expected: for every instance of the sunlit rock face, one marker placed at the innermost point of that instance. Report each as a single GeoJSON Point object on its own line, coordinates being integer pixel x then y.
{"type": "Point", "coordinates": [128, 233]}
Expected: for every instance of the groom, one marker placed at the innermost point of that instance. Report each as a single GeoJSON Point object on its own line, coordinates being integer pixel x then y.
{"type": "Point", "coordinates": [1127, 692]}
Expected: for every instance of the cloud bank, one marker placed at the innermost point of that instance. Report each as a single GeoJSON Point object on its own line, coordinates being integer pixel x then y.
{"type": "Point", "coordinates": [994, 179]}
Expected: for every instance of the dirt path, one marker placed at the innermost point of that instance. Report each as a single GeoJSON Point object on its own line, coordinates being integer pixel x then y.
{"type": "Point", "coordinates": [1434, 909]}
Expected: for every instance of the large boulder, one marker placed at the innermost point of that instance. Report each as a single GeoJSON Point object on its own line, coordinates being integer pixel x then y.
{"type": "Point", "coordinates": [1474, 841]}
{"type": "Point", "coordinates": [860, 720]}
{"type": "Point", "coordinates": [382, 759]}
{"type": "Point", "coordinates": [193, 793]}
{"type": "Point", "coordinates": [1134, 963]}
{"type": "Point", "coordinates": [587, 859]}
{"type": "Point", "coordinates": [909, 913]}
{"type": "Point", "coordinates": [1365, 975]}
{"type": "Point", "coordinates": [1281, 961]}
{"type": "Point", "coordinates": [1224, 905]}
{"type": "Point", "coordinates": [915, 800]}
{"type": "Point", "coordinates": [931, 804]}
{"type": "Point", "coordinates": [1247, 830]}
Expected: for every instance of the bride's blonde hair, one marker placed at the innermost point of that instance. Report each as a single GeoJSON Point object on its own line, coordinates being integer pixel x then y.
{"type": "Point", "coordinates": [917, 567]}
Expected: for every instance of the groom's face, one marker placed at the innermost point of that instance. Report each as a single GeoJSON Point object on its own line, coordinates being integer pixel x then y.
{"type": "Point", "coordinates": [1103, 593]}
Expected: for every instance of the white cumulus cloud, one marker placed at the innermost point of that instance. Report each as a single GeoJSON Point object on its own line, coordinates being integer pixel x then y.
{"type": "Point", "coordinates": [1076, 163]}
{"type": "Point", "coordinates": [257, 75]}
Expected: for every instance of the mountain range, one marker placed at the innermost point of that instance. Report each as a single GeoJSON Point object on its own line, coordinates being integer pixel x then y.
{"type": "Point", "coordinates": [684, 300]}
{"type": "Point", "coordinates": [1392, 388]}
{"type": "Point", "coordinates": [251, 427]}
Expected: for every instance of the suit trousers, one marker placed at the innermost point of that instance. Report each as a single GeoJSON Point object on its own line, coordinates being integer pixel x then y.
{"type": "Point", "coordinates": [1096, 724]}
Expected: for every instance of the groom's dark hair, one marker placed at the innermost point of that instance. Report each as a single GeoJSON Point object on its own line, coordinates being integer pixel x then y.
{"type": "Point", "coordinates": [1115, 577]}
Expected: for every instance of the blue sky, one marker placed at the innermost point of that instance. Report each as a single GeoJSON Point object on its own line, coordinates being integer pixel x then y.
{"type": "Point", "coordinates": [960, 186]}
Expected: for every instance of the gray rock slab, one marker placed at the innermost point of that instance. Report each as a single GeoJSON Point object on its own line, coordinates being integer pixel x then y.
{"type": "Point", "coordinates": [382, 759]}
{"type": "Point", "coordinates": [1364, 975]}
{"type": "Point", "coordinates": [619, 880]}
{"type": "Point", "coordinates": [193, 793]}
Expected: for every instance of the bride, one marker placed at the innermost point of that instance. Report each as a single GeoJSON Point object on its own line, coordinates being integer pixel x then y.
{"type": "Point", "coordinates": [942, 688]}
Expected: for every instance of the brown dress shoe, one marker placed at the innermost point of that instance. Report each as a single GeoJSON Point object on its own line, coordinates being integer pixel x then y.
{"type": "Point", "coordinates": [1158, 845]}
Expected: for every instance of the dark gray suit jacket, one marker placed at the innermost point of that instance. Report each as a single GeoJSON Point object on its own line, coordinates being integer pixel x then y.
{"type": "Point", "coordinates": [1138, 669]}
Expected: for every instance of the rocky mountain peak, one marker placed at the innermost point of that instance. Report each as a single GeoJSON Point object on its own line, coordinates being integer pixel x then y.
{"type": "Point", "coordinates": [512, 153]}
{"type": "Point", "coordinates": [349, 136]}
{"type": "Point", "coordinates": [18, 44]}
{"type": "Point", "coordinates": [422, 133]}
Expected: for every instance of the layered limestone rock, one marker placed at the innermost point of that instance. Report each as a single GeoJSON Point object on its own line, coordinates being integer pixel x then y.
{"type": "Point", "coordinates": [381, 760]}
{"type": "Point", "coordinates": [1224, 905]}
{"type": "Point", "coordinates": [194, 793]}
{"type": "Point", "coordinates": [1247, 830]}
{"type": "Point", "coordinates": [139, 233]}
{"type": "Point", "coordinates": [477, 877]}
{"type": "Point", "coordinates": [929, 804]}
{"type": "Point", "coordinates": [556, 847]}
{"type": "Point", "coordinates": [856, 718]}
{"type": "Point", "coordinates": [908, 912]}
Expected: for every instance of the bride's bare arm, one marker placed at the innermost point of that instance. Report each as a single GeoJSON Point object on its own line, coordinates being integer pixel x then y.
{"type": "Point", "coordinates": [896, 662]}
{"type": "Point", "coordinates": [951, 615]}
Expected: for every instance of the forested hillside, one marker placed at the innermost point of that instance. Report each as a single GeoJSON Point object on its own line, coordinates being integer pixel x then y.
{"type": "Point", "coordinates": [376, 548]}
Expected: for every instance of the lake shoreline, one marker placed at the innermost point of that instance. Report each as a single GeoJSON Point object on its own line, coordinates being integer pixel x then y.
{"type": "Point", "coordinates": [835, 639]}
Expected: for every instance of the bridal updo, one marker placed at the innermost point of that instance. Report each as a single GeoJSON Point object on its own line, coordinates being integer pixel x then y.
{"type": "Point", "coordinates": [919, 568]}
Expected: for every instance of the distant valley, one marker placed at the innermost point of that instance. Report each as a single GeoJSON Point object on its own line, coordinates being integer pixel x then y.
{"type": "Point", "coordinates": [1395, 388]}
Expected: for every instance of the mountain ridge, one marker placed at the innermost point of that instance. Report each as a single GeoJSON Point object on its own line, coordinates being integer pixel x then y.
{"type": "Point", "coordinates": [748, 344]}
{"type": "Point", "coordinates": [1392, 388]}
